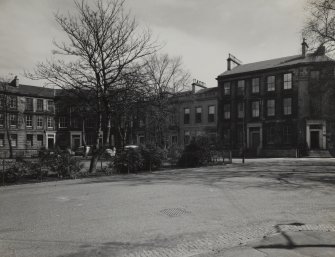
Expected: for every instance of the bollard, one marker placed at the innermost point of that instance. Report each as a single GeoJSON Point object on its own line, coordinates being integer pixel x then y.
{"type": "Point", "coordinates": [3, 172]}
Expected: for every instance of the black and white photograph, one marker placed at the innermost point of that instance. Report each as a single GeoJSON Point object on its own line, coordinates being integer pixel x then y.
{"type": "Point", "coordinates": [167, 128]}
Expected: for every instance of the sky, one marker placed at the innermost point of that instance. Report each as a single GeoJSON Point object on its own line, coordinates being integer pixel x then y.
{"type": "Point", "coordinates": [202, 32]}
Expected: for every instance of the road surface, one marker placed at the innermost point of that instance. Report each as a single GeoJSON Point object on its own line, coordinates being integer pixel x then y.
{"type": "Point", "coordinates": [184, 212]}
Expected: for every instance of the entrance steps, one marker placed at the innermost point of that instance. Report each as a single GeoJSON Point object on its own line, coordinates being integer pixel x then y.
{"type": "Point", "coordinates": [319, 154]}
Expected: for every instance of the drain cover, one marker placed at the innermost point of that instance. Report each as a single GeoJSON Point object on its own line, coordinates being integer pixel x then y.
{"type": "Point", "coordinates": [175, 212]}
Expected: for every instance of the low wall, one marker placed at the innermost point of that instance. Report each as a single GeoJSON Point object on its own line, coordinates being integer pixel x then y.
{"type": "Point", "coordinates": [278, 153]}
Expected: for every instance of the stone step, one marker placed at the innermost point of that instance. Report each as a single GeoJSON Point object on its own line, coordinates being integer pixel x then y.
{"type": "Point", "coordinates": [319, 154]}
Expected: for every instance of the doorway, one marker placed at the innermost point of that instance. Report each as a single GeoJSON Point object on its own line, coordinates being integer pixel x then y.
{"type": "Point", "coordinates": [255, 140]}
{"type": "Point", "coordinates": [76, 142]}
{"type": "Point", "coordinates": [315, 139]}
{"type": "Point", "coordinates": [50, 141]}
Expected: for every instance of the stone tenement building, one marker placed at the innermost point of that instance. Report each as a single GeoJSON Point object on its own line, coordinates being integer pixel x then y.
{"type": "Point", "coordinates": [274, 107]}
{"type": "Point", "coordinates": [35, 118]}
{"type": "Point", "coordinates": [41, 117]}
{"type": "Point", "coordinates": [192, 113]}
{"type": "Point", "coordinates": [197, 113]}
{"type": "Point", "coordinates": [28, 113]}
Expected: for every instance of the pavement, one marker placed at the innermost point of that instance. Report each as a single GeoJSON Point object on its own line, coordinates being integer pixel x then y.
{"type": "Point", "coordinates": [272, 207]}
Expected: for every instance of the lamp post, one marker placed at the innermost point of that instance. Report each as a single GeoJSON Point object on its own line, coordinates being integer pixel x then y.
{"type": "Point", "coordinates": [243, 132]}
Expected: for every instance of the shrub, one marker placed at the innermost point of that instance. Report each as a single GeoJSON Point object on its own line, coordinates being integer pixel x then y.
{"type": "Point", "coordinates": [128, 160]}
{"type": "Point", "coordinates": [152, 157]}
{"type": "Point", "coordinates": [197, 153]}
{"type": "Point", "coordinates": [174, 153]}
{"type": "Point", "coordinates": [61, 163]}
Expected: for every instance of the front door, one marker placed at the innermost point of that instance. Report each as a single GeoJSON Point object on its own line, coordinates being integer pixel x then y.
{"type": "Point", "coordinates": [75, 142]}
{"type": "Point", "coordinates": [255, 140]}
{"type": "Point", "coordinates": [315, 139]}
{"type": "Point", "coordinates": [51, 142]}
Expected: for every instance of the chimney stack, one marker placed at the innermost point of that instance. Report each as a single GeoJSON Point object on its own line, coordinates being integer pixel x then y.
{"type": "Point", "coordinates": [232, 60]}
{"type": "Point", "coordinates": [229, 63]}
{"type": "Point", "coordinates": [197, 83]}
{"type": "Point", "coordinates": [15, 82]}
{"type": "Point", "coordinates": [304, 47]}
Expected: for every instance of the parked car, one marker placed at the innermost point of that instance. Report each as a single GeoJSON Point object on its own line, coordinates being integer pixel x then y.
{"type": "Point", "coordinates": [110, 152]}
{"type": "Point", "coordinates": [82, 150]}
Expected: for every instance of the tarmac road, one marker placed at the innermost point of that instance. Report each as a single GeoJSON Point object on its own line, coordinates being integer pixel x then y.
{"type": "Point", "coordinates": [183, 212]}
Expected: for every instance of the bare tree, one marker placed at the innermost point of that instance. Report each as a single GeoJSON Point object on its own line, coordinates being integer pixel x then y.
{"type": "Point", "coordinates": [104, 43]}
{"type": "Point", "coordinates": [166, 76]}
{"type": "Point", "coordinates": [320, 25]}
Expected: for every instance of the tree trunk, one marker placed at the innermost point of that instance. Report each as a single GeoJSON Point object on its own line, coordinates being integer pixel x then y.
{"type": "Point", "coordinates": [97, 151]}
{"type": "Point", "coordinates": [8, 136]}
{"type": "Point", "coordinates": [10, 144]}
{"type": "Point", "coordinates": [109, 125]}
{"type": "Point", "coordinates": [84, 138]}
{"type": "Point", "coordinates": [94, 162]}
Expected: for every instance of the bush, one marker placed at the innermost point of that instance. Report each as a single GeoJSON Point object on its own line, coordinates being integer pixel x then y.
{"type": "Point", "coordinates": [197, 153]}
{"type": "Point", "coordinates": [22, 168]}
{"type": "Point", "coordinates": [61, 163]}
{"type": "Point", "coordinates": [174, 153]}
{"type": "Point", "coordinates": [128, 160]}
{"type": "Point", "coordinates": [152, 157]}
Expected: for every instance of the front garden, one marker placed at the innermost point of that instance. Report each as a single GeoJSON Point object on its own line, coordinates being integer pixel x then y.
{"type": "Point", "coordinates": [59, 165]}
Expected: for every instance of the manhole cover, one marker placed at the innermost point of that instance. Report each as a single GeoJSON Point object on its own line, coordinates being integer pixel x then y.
{"type": "Point", "coordinates": [175, 212]}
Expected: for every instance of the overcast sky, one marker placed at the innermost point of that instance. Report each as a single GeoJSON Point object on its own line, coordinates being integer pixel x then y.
{"type": "Point", "coordinates": [203, 32]}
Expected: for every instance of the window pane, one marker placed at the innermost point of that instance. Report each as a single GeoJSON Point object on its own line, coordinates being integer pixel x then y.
{"type": "Point", "coordinates": [226, 111]}
{"type": "Point", "coordinates": [39, 104]}
{"type": "Point", "coordinates": [12, 102]}
{"type": "Point", "coordinates": [226, 88]}
{"type": "Point", "coordinates": [2, 119]}
{"type": "Point", "coordinates": [271, 83]}
{"type": "Point", "coordinates": [186, 115]}
{"type": "Point", "coordinates": [29, 104]}
{"type": "Point", "coordinates": [211, 113]}
{"type": "Point", "coordinates": [315, 74]}
{"type": "Point", "coordinates": [271, 107]}
{"type": "Point", "coordinates": [13, 138]}
{"type": "Point", "coordinates": [187, 137]}
{"type": "Point", "coordinates": [13, 120]}
{"type": "Point", "coordinates": [255, 85]}
{"type": "Point", "coordinates": [51, 106]}
{"type": "Point", "coordinates": [287, 106]}
{"type": "Point", "coordinates": [39, 121]}
{"type": "Point", "coordinates": [255, 109]}
{"type": "Point", "coordinates": [240, 110]}
{"type": "Point", "coordinates": [288, 81]}
{"type": "Point", "coordinates": [2, 139]}
{"type": "Point", "coordinates": [29, 120]}
{"type": "Point", "coordinates": [198, 112]}
{"type": "Point", "coordinates": [240, 87]}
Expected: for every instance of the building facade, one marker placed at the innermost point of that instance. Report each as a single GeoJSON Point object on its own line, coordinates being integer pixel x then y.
{"type": "Point", "coordinates": [197, 114]}
{"type": "Point", "coordinates": [278, 106]}
{"type": "Point", "coordinates": [190, 114]}
{"type": "Point", "coordinates": [27, 119]}
{"type": "Point", "coordinates": [36, 117]}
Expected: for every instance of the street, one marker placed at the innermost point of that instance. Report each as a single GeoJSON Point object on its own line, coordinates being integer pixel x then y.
{"type": "Point", "coordinates": [182, 212]}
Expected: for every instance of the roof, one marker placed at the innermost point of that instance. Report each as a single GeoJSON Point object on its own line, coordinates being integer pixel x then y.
{"type": "Point", "coordinates": [277, 63]}
{"type": "Point", "coordinates": [27, 90]}
{"type": "Point", "coordinates": [207, 90]}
